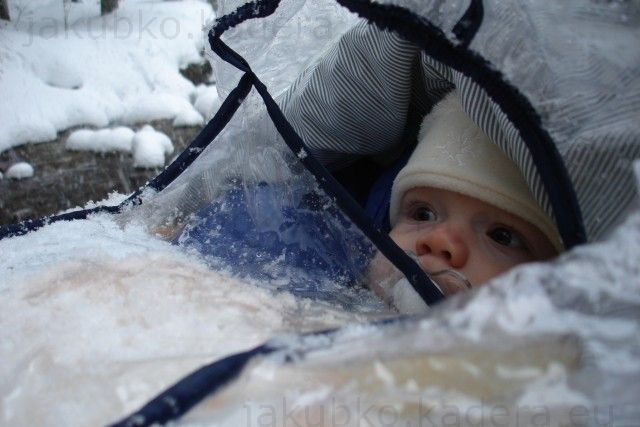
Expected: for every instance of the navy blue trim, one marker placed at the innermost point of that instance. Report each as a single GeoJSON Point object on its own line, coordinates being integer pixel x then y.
{"type": "Point", "coordinates": [467, 27]}
{"type": "Point", "coordinates": [188, 392]}
{"type": "Point", "coordinates": [24, 227]}
{"type": "Point", "coordinates": [513, 103]}
{"type": "Point", "coordinates": [427, 290]}
{"type": "Point", "coordinates": [251, 10]}
{"type": "Point", "coordinates": [178, 399]}
{"type": "Point", "coordinates": [204, 138]}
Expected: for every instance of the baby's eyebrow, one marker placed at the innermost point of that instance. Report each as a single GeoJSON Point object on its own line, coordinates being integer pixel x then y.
{"type": "Point", "coordinates": [417, 198]}
{"type": "Point", "coordinates": [489, 220]}
{"type": "Point", "coordinates": [498, 215]}
{"type": "Point", "coordinates": [416, 202]}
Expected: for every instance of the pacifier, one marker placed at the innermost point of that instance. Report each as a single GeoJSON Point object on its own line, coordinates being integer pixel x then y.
{"type": "Point", "coordinates": [391, 285]}
{"type": "Point", "coordinates": [449, 281]}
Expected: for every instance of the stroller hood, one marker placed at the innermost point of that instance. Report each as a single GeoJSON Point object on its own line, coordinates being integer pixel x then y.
{"type": "Point", "coordinates": [556, 87]}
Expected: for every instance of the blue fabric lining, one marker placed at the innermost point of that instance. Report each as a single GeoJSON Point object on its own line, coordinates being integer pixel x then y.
{"type": "Point", "coordinates": [301, 244]}
{"type": "Point", "coordinates": [377, 205]}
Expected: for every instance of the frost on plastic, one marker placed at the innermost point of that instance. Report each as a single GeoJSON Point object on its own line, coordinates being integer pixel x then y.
{"type": "Point", "coordinates": [280, 46]}
{"type": "Point", "coordinates": [96, 319]}
{"type": "Point", "coordinates": [554, 342]}
{"type": "Point", "coordinates": [247, 206]}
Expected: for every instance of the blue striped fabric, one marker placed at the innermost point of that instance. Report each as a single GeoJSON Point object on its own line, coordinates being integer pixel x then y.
{"type": "Point", "coordinates": [354, 102]}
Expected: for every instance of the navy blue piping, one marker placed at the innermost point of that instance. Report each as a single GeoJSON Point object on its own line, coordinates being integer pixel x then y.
{"type": "Point", "coordinates": [178, 399]}
{"type": "Point", "coordinates": [254, 9]}
{"type": "Point", "coordinates": [514, 104]}
{"type": "Point", "coordinates": [427, 290]}
{"type": "Point", "coordinates": [467, 27]}
{"type": "Point", "coordinates": [24, 227]}
{"type": "Point", "coordinates": [189, 391]}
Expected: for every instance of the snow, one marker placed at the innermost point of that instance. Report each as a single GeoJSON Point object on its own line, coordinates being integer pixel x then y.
{"type": "Point", "coordinates": [20, 170]}
{"type": "Point", "coordinates": [122, 68]}
{"type": "Point", "coordinates": [150, 148]}
{"type": "Point", "coordinates": [101, 141]}
{"type": "Point", "coordinates": [188, 118]}
{"type": "Point", "coordinates": [545, 338]}
{"type": "Point", "coordinates": [207, 101]}
{"type": "Point", "coordinates": [113, 199]}
{"type": "Point", "coordinates": [157, 106]}
{"type": "Point", "coordinates": [96, 318]}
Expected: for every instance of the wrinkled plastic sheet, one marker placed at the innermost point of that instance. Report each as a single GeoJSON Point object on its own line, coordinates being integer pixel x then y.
{"type": "Point", "coordinates": [551, 343]}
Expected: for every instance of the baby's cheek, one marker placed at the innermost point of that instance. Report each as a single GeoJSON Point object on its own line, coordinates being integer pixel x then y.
{"type": "Point", "coordinates": [394, 234]}
{"type": "Point", "coordinates": [487, 266]}
{"type": "Point", "coordinates": [400, 239]}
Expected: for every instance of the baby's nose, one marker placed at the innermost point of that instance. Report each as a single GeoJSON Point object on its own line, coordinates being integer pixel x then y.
{"type": "Point", "coordinates": [445, 242]}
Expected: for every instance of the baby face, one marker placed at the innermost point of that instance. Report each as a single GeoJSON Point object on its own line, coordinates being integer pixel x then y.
{"type": "Point", "coordinates": [447, 230]}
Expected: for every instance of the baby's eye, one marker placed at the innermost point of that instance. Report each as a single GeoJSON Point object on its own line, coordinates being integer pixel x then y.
{"type": "Point", "coordinates": [506, 237]}
{"type": "Point", "coordinates": [423, 213]}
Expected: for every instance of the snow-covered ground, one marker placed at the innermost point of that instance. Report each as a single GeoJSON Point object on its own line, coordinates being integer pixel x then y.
{"type": "Point", "coordinates": [62, 65]}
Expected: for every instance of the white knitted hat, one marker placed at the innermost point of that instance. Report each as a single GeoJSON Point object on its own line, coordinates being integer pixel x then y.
{"type": "Point", "coordinates": [454, 154]}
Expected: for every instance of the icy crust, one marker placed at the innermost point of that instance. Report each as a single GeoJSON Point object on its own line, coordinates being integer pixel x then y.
{"type": "Point", "coordinates": [96, 319]}
{"type": "Point", "coordinates": [547, 344]}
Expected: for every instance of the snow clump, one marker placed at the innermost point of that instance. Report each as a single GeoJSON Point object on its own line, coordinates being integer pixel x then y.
{"type": "Point", "coordinates": [156, 106]}
{"type": "Point", "coordinates": [188, 118]}
{"type": "Point", "coordinates": [150, 148]}
{"type": "Point", "coordinates": [207, 101]}
{"type": "Point", "coordinates": [20, 170]}
{"type": "Point", "coordinates": [101, 141]}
